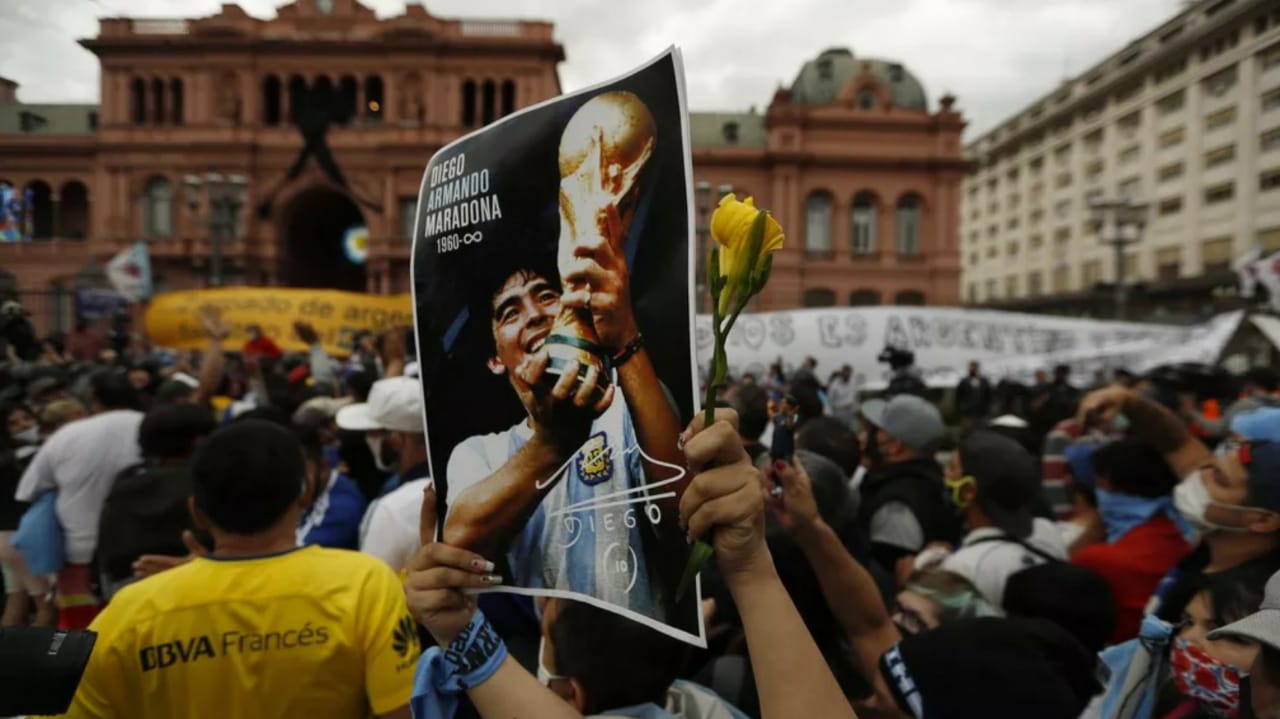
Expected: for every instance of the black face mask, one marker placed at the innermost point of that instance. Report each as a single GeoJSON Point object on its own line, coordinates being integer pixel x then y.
{"type": "Point", "coordinates": [872, 450]}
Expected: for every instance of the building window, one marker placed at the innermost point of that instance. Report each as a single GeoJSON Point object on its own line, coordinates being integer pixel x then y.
{"type": "Point", "coordinates": [157, 207]}
{"type": "Point", "coordinates": [1129, 123]}
{"type": "Point", "coordinates": [488, 102]}
{"type": "Point", "coordinates": [819, 298]}
{"type": "Point", "coordinates": [1013, 223]}
{"type": "Point", "coordinates": [1170, 206]}
{"type": "Point", "coordinates": [469, 103]}
{"type": "Point", "coordinates": [1129, 189]}
{"type": "Point", "coordinates": [866, 99]}
{"type": "Point", "coordinates": [1168, 263]}
{"type": "Point", "coordinates": [1062, 154]}
{"type": "Point", "coordinates": [1219, 156]}
{"type": "Point", "coordinates": [1036, 216]}
{"type": "Point", "coordinates": [408, 211]}
{"type": "Point", "coordinates": [373, 100]}
{"type": "Point", "coordinates": [864, 298]}
{"type": "Point", "coordinates": [973, 258]}
{"type": "Point", "coordinates": [1269, 57]}
{"type": "Point", "coordinates": [1011, 286]}
{"type": "Point", "coordinates": [271, 100]}
{"type": "Point", "coordinates": [297, 89]}
{"type": "Point", "coordinates": [347, 91]}
{"type": "Point", "coordinates": [1269, 240]}
{"type": "Point", "coordinates": [175, 97]}
{"type": "Point", "coordinates": [1171, 138]}
{"type": "Point", "coordinates": [991, 290]}
{"type": "Point", "coordinates": [1172, 102]}
{"type": "Point", "coordinates": [1130, 154]}
{"type": "Point", "coordinates": [973, 293]}
{"type": "Point", "coordinates": [908, 225]}
{"type": "Point", "coordinates": [1169, 172]}
{"type": "Point", "coordinates": [863, 218]}
{"type": "Point", "coordinates": [825, 69]}
{"type": "Point", "coordinates": [1091, 273]}
{"type": "Point", "coordinates": [1221, 118]}
{"type": "Point", "coordinates": [1215, 254]}
{"type": "Point", "coordinates": [817, 213]}
{"type": "Point", "coordinates": [1128, 92]}
{"type": "Point", "coordinates": [508, 97]}
{"type": "Point", "coordinates": [1269, 140]}
{"type": "Point", "coordinates": [1171, 70]}
{"type": "Point", "coordinates": [1035, 242]}
{"type": "Point", "coordinates": [1062, 235]}
{"type": "Point", "coordinates": [138, 100]}
{"type": "Point", "coordinates": [909, 298]}
{"type": "Point", "coordinates": [1062, 180]}
{"type": "Point", "coordinates": [1011, 249]}
{"type": "Point", "coordinates": [729, 131]}
{"type": "Point", "coordinates": [157, 101]}
{"type": "Point", "coordinates": [1035, 284]}
{"type": "Point", "coordinates": [1269, 179]}
{"type": "Point", "coordinates": [1219, 193]}
{"type": "Point", "coordinates": [1271, 101]}
{"type": "Point", "coordinates": [1062, 208]}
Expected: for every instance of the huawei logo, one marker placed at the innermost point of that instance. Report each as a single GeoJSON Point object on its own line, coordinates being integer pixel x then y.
{"type": "Point", "coordinates": [405, 636]}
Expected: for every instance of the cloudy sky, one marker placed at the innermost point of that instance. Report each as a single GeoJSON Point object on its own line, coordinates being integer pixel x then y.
{"type": "Point", "coordinates": [995, 55]}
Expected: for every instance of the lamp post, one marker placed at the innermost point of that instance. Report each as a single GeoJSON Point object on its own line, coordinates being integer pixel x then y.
{"type": "Point", "coordinates": [224, 195]}
{"type": "Point", "coordinates": [1120, 224]}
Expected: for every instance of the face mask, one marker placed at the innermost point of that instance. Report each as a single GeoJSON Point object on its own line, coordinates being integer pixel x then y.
{"type": "Point", "coordinates": [30, 435]}
{"type": "Point", "coordinates": [1191, 498]}
{"type": "Point", "coordinates": [375, 446]}
{"type": "Point", "coordinates": [1122, 512]}
{"type": "Point", "coordinates": [957, 487]}
{"type": "Point", "coordinates": [1212, 684]}
{"type": "Point", "coordinates": [545, 677]}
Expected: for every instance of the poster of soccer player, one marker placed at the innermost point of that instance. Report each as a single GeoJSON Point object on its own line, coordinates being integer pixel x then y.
{"type": "Point", "coordinates": [552, 293]}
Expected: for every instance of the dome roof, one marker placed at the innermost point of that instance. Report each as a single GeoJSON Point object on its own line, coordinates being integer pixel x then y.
{"type": "Point", "coordinates": [820, 79]}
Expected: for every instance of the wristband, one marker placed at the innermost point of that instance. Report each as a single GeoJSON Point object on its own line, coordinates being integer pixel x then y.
{"type": "Point", "coordinates": [631, 350]}
{"type": "Point", "coordinates": [443, 674]}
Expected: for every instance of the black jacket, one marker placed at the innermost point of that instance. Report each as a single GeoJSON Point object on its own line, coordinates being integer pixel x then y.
{"type": "Point", "coordinates": [973, 399]}
{"type": "Point", "coordinates": [917, 483]}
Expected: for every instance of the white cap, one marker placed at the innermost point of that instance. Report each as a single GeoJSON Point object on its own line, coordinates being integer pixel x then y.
{"type": "Point", "coordinates": [395, 404]}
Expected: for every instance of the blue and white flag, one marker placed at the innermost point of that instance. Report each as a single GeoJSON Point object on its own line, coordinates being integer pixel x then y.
{"type": "Point", "coordinates": [130, 272]}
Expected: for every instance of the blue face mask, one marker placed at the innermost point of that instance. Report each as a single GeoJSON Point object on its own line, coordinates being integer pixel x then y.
{"type": "Point", "coordinates": [1122, 512]}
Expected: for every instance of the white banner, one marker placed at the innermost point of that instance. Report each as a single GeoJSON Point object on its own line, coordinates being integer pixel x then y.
{"type": "Point", "coordinates": [945, 339]}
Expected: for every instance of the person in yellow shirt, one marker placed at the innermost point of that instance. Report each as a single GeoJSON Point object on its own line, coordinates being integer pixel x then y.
{"type": "Point", "coordinates": [260, 627]}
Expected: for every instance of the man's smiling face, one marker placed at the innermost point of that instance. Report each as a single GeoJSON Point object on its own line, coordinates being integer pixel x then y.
{"type": "Point", "coordinates": [524, 309]}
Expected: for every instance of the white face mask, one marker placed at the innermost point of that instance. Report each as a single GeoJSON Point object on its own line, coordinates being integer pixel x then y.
{"type": "Point", "coordinates": [375, 446]}
{"type": "Point", "coordinates": [30, 435]}
{"type": "Point", "coordinates": [1192, 500]}
{"type": "Point", "coordinates": [545, 677]}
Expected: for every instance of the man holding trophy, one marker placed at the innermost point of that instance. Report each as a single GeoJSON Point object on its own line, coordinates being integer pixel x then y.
{"type": "Point", "coordinates": [581, 494]}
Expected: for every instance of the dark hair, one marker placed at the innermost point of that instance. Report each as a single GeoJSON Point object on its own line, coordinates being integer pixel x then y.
{"type": "Point", "coordinates": [833, 439]}
{"type": "Point", "coordinates": [751, 402]}
{"type": "Point", "coordinates": [808, 400]}
{"type": "Point", "coordinates": [1265, 378]}
{"type": "Point", "coordinates": [1075, 598]}
{"type": "Point", "coordinates": [173, 391]}
{"type": "Point", "coordinates": [172, 431]}
{"type": "Point", "coordinates": [6, 409]}
{"type": "Point", "coordinates": [488, 278]}
{"type": "Point", "coordinates": [619, 662]}
{"type": "Point", "coordinates": [1237, 592]}
{"type": "Point", "coordinates": [247, 475]}
{"type": "Point", "coordinates": [1134, 468]}
{"type": "Point", "coordinates": [359, 383]}
{"type": "Point", "coordinates": [112, 390]}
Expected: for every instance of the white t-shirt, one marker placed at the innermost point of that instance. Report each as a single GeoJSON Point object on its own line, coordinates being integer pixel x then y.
{"type": "Point", "coordinates": [989, 564]}
{"type": "Point", "coordinates": [843, 395]}
{"type": "Point", "coordinates": [81, 461]}
{"type": "Point", "coordinates": [390, 528]}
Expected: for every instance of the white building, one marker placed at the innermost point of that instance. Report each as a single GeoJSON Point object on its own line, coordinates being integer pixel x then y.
{"type": "Point", "coordinates": [1185, 118]}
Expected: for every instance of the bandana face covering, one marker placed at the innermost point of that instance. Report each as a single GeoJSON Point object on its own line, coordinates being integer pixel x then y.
{"type": "Point", "coordinates": [1212, 684]}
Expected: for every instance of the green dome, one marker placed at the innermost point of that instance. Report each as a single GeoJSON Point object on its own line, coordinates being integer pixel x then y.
{"type": "Point", "coordinates": [820, 79]}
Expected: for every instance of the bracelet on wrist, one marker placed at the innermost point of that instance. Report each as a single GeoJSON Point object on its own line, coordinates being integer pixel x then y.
{"type": "Point", "coordinates": [631, 349]}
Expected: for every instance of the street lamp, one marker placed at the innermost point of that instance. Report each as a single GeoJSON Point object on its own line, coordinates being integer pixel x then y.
{"type": "Point", "coordinates": [224, 195]}
{"type": "Point", "coordinates": [1120, 223]}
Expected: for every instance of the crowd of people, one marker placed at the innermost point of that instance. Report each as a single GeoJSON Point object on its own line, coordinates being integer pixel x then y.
{"type": "Point", "coordinates": [254, 532]}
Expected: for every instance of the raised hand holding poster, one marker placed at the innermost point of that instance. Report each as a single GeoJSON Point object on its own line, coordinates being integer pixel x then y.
{"type": "Point", "coordinates": [552, 293]}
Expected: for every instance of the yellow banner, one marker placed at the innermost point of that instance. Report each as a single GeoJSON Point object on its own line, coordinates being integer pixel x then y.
{"type": "Point", "coordinates": [173, 319]}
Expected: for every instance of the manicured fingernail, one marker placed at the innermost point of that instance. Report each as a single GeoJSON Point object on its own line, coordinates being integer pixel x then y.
{"type": "Point", "coordinates": [684, 439]}
{"type": "Point", "coordinates": [482, 565]}
{"type": "Point", "coordinates": [491, 579]}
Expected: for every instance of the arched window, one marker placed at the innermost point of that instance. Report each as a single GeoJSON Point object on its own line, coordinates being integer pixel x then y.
{"type": "Point", "coordinates": [138, 100]}
{"type": "Point", "coordinates": [866, 99]}
{"type": "Point", "coordinates": [157, 101]}
{"type": "Point", "coordinates": [488, 102]}
{"type": "Point", "coordinates": [373, 99]}
{"type": "Point", "coordinates": [297, 98]}
{"type": "Point", "coordinates": [469, 103]}
{"type": "Point", "coordinates": [863, 222]}
{"type": "Point", "coordinates": [271, 100]}
{"type": "Point", "coordinates": [347, 87]}
{"type": "Point", "coordinates": [819, 297]}
{"type": "Point", "coordinates": [864, 298]}
{"type": "Point", "coordinates": [73, 210]}
{"type": "Point", "coordinates": [157, 208]}
{"type": "Point", "coordinates": [322, 93]}
{"type": "Point", "coordinates": [817, 230]}
{"type": "Point", "coordinates": [175, 98]}
{"type": "Point", "coordinates": [508, 97]}
{"type": "Point", "coordinates": [39, 208]}
{"type": "Point", "coordinates": [908, 225]}
{"type": "Point", "coordinates": [909, 298]}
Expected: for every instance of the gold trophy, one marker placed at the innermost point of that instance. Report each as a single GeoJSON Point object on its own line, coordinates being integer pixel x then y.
{"type": "Point", "coordinates": [603, 150]}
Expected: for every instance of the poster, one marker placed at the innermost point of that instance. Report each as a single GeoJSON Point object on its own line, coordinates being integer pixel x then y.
{"type": "Point", "coordinates": [543, 246]}
{"type": "Point", "coordinates": [173, 319]}
{"type": "Point", "coordinates": [1009, 345]}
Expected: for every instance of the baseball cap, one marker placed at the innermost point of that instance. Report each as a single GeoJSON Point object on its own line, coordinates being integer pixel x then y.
{"type": "Point", "coordinates": [1263, 626]}
{"type": "Point", "coordinates": [42, 385]}
{"type": "Point", "coordinates": [908, 418]}
{"type": "Point", "coordinates": [1261, 462]}
{"type": "Point", "coordinates": [1005, 473]}
{"type": "Point", "coordinates": [395, 404]}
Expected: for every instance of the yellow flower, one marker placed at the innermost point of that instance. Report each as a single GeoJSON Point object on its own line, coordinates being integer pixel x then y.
{"type": "Point", "coordinates": [731, 225]}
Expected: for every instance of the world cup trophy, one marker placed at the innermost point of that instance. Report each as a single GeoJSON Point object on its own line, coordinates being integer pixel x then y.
{"type": "Point", "coordinates": [603, 152]}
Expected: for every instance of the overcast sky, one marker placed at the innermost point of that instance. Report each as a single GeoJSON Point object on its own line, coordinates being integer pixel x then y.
{"type": "Point", "coordinates": [996, 56]}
